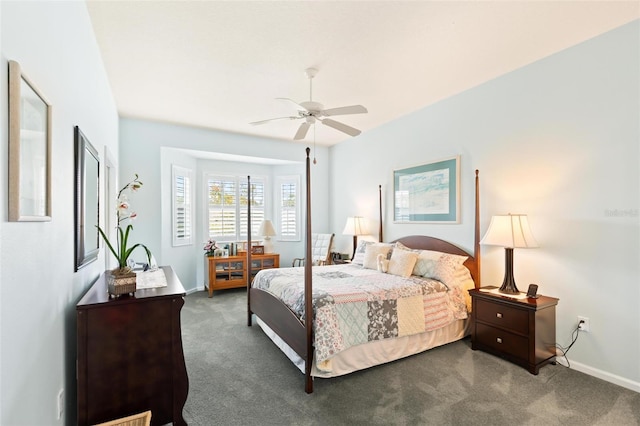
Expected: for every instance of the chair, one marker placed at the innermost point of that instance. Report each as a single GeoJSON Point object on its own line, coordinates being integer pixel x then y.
{"type": "Point", "coordinates": [320, 250]}
{"type": "Point", "coordinates": [142, 419]}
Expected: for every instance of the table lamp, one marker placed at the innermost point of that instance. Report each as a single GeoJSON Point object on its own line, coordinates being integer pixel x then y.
{"type": "Point", "coordinates": [509, 231]}
{"type": "Point", "coordinates": [267, 231]}
{"type": "Point", "coordinates": [354, 226]}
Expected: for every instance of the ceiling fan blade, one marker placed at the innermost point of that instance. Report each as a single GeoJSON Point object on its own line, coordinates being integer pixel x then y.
{"type": "Point", "coordinates": [353, 109]}
{"type": "Point", "coordinates": [256, 123]}
{"type": "Point", "coordinates": [302, 131]}
{"type": "Point", "coordinates": [341, 126]}
{"type": "Point", "coordinates": [297, 105]}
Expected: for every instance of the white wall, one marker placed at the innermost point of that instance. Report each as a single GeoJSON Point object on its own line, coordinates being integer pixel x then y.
{"type": "Point", "coordinates": [149, 148]}
{"type": "Point", "coordinates": [181, 256]}
{"type": "Point", "coordinates": [56, 48]}
{"type": "Point", "coordinates": [558, 140]}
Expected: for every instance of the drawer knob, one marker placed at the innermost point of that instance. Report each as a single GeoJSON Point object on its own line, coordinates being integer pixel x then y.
{"type": "Point", "coordinates": [499, 340]}
{"type": "Point", "coordinates": [498, 314]}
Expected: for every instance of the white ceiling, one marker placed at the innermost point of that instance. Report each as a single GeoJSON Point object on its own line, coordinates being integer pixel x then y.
{"type": "Point", "coordinates": [221, 64]}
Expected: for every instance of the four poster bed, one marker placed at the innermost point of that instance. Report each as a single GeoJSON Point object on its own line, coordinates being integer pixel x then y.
{"type": "Point", "coordinates": [361, 316]}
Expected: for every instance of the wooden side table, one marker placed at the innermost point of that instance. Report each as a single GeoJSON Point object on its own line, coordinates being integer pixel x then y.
{"type": "Point", "coordinates": [522, 331]}
{"type": "Point", "coordinates": [222, 273]}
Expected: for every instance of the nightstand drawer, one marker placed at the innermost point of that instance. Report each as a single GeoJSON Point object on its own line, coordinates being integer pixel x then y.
{"type": "Point", "coordinates": [503, 316]}
{"type": "Point", "coordinates": [502, 341]}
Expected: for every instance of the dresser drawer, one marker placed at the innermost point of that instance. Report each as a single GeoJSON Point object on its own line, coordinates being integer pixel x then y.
{"type": "Point", "coordinates": [502, 341]}
{"type": "Point", "coordinates": [503, 316]}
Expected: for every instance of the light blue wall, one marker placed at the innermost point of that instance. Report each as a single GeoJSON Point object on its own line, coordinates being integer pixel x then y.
{"type": "Point", "coordinates": [56, 48]}
{"type": "Point", "coordinates": [558, 140]}
{"type": "Point", "coordinates": [149, 148]}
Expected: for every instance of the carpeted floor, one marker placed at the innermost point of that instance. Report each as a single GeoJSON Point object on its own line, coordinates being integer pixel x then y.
{"type": "Point", "coordinates": [237, 376]}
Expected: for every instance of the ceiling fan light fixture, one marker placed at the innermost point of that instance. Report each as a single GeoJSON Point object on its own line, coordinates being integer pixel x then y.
{"type": "Point", "coordinates": [312, 111]}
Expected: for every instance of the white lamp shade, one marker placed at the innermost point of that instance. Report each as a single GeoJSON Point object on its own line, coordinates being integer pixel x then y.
{"type": "Point", "coordinates": [354, 226]}
{"type": "Point", "coordinates": [267, 229]}
{"type": "Point", "coordinates": [511, 230]}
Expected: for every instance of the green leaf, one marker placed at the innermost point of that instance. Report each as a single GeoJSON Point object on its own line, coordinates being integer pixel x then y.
{"type": "Point", "coordinates": [106, 240]}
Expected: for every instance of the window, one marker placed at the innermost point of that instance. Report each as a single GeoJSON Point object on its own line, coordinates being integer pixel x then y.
{"type": "Point", "coordinates": [227, 198]}
{"type": "Point", "coordinates": [288, 188]}
{"type": "Point", "coordinates": [181, 197]}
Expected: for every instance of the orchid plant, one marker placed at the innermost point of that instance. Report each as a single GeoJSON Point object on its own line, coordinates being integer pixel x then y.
{"type": "Point", "coordinates": [121, 251]}
{"type": "Point", "coordinates": [210, 247]}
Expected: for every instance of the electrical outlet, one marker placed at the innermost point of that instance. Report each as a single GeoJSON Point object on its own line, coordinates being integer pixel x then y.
{"type": "Point", "coordinates": [585, 325]}
{"type": "Point", "coordinates": [60, 403]}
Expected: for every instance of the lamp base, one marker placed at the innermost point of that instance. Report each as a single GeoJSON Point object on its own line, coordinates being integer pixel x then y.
{"type": "Point", "coordinates": [508, 284]}
{"type": "Point", "coordinates": [268, 245]}
{"type": "Point", "coordinates": [355, 246]}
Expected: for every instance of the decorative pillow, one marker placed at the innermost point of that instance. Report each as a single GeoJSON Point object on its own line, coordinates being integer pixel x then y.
{"type": "Point", "coordinates": [371, 253]}
{"type": "Point", "coordinates": [450, 270]}
{"type": "Point", "coordinates": [426, 263]}
{"type": "Point", "coordinates": [358, 257]}
{"type": "Point", "coordinates": [402, 262]}
{"type": "Point", "coordinates": [444, 267]}
{"type": "Point", "coordinates": [429, 261]}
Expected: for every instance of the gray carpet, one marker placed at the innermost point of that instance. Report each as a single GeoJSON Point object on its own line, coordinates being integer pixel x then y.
{"type": "Point", "coordinates": [237, 376]}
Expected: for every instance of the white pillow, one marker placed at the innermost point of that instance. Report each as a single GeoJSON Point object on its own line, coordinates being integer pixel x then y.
{"type": "Point", "coordinates": [371, 253]}
{"type": "Point", "coordinates": [450, 270]}
{"type": "Point", "coordinates": [402, 263]}
{"type": "Point", "coordinates": [358, 256]}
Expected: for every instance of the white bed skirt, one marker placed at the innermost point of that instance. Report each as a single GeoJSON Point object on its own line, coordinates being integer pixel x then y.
{"type": "Point", "coordinates": [375, 352]}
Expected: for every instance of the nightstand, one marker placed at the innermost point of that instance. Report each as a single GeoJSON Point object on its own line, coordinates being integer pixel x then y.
{"type": "Point", "coordinates": [339, 258]}
{"type": "Point", "coordinates": [522, 331]}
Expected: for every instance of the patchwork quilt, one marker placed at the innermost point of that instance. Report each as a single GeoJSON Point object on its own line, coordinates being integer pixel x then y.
{"type": "Point", "coordinates": [353, 305]}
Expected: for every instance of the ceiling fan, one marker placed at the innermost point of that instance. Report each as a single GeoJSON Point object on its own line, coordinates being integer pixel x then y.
{"type": "Point", "coordinates": [311, 112]}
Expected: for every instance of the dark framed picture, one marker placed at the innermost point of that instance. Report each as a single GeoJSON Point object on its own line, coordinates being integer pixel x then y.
{"type": "Point", "coordinates": [257, 250]}
{"type": "Point", "coordinates": [427, 193]}
{"type": "Point", "coordinates": [87, 203]}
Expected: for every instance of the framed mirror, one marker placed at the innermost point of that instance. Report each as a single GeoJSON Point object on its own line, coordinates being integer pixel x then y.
{"type": "Point", "coordinates": [87, 200]}
{"type": "Point", "coordinates": [29, 150]}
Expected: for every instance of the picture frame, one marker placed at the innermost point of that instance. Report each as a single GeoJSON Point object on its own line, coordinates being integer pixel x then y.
{"type": "Point", "coordinates": [428, 193]}
{"type": "Point", "coordinates": [87, 200]}
{"type": "Point", "coordinates": [29, 150]}
{"type": "Point", "coordinates": [257, 250]}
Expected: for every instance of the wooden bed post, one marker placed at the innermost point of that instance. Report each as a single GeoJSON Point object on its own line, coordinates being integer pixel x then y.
{"type": "Point", "coordinates": [308, 307]}
{"type": "Point", "coordinates": [476, 245]}
{"type": "Point", "coordinates": [248, 265]}
{"type": "Point", "coordinates": [380, 215]}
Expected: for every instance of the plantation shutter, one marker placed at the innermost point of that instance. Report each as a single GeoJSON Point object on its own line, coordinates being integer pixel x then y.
{"type": "Point", "coordinates": [257, 208]}
{"type": "Point", "coordinates": [227, 200]}
{"type": "Point", "coordinates": [289, 205]}
{"type": "Point", "coordinates": [222, 194]}
{"type": "Point", "coordinates": [182, 205]}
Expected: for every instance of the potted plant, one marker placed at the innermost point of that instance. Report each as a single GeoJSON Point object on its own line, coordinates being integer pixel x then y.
{"type": "Point", "coordinates": [122, 279]}
{"type": "Point", "coordinates": [210, 248]}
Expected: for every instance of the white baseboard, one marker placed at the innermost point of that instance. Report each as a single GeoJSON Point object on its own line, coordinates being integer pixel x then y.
{"type": "Point", "coordinates": [193, 290]}
{"type": "Point", "coordinates": [608, 377]}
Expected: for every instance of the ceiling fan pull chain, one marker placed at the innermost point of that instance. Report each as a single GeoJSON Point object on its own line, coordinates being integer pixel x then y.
{"type": "Point", "coordinates": [314, 143]}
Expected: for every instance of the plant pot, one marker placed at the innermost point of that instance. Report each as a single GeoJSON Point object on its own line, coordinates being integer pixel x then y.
{"type": "Point", "coordinates": [119, 283]}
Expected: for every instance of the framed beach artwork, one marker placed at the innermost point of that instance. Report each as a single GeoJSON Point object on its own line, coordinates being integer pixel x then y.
{"type": "Point", "coordinates": [427, 193]}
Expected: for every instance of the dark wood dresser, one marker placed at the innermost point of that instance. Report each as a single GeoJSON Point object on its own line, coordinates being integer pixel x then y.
{"type": "Point", "coordinates": [522, 331]}
{"type": "Point", "coordinates": [130, 356]}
